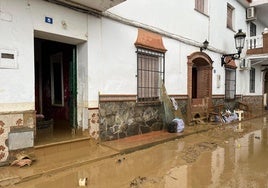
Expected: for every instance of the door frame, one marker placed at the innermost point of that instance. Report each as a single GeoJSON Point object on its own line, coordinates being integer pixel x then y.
{"type": "Point", "coordinates": [57, 57]}
{"type": "Point", "coordinates": [190, 63]}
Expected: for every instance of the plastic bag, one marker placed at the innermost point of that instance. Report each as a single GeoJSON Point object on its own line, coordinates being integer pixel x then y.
{"type": "Point", "coordinates": [177, 125]}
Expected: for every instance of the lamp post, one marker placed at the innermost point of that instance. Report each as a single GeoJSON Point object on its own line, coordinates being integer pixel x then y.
{"type": "Point", "coordinates": [239, 45]}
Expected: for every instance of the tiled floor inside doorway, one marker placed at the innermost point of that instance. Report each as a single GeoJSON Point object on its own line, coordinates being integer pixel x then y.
{"type": "Point", "coordinates": [60, 133]}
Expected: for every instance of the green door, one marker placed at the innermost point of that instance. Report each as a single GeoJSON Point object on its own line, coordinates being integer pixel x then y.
{"type": "Point", "coordinates": [73, 90]}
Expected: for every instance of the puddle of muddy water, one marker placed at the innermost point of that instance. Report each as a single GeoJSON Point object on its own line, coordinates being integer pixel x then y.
{"type": "Point", "coordinates": [219, 158]}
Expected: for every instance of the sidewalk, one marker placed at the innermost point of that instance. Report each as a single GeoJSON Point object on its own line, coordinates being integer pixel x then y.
{"type": "Point", "coordinates": [55, 158]}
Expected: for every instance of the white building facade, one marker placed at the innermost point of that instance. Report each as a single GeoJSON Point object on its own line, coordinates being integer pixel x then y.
{"type": "Point", "coordinates": [86, 67]}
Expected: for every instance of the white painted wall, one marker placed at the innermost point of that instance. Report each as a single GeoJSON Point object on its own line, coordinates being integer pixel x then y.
{"type": "Point", "coordinates": [119, 57]}
{"type": "Point", "coordinates": [112, 58]}
{"type": "Point", "coordinates": [182, 21]}
{"type": "Point", "coordinates": [76, 22]}
{"type": "Point", "coordinates": [18, 21]}
{"type": "Point", "coordinates": [174, 17]}
{"type": "Point", "coordinates": [180, 18]}
{"type": "Point", "coordinates": [107, 63]}
{"type": "Point", "coordinates": [16, 85]}
{"type": "Point", "coordinates": [82, 85]}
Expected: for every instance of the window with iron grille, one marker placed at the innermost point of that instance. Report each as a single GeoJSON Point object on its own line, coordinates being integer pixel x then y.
{"type": "Point", "coordinates": [230, 12]}
{"type": "Point", "coordinates": [230, 83]}
{"type": "Point", "coordinates": [252, 80]}
{"type": "Point", "coordinates": [150, 74]}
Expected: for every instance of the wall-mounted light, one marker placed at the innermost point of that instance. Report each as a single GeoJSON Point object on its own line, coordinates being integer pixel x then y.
{"type": "Point", "coordinates": [205, 45]}
{"type": "Point", "coordinates": [239, 45]}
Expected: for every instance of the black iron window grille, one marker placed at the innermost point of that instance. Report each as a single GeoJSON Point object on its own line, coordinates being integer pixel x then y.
{"type": "Point", "coordinates": [230, 83]}
{"type": "Point", "coordinates": [252, 80]}
{"type": "Point", "coordinates": [150, 75]}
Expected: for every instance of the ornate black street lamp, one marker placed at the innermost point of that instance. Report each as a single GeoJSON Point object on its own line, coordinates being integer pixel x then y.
{"type": "Point", "coordinates": [239, 45]}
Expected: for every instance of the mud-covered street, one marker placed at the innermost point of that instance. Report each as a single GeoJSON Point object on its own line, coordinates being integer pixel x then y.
{"type": "Point", "coordinates": [231, 155]}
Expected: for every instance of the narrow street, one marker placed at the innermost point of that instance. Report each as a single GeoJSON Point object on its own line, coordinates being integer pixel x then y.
{"type": "Point", "coordinates": [231, 155]}
{"type": "Point", "coordinates": [133, 93]}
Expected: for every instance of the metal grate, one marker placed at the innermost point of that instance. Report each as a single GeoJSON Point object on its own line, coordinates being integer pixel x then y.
{"type": "Point", "coordinates": [230, 83]}
{"type": "Point", "coordinates": [252, 80]}
{"type": "Point", "coordinates": [150, 68]}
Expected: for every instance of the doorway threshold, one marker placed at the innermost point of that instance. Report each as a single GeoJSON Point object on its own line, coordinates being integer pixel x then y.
{"type": "Point", "coordinates": [49, 144]}
{"type": "Point", "coordinates": [59, 138]}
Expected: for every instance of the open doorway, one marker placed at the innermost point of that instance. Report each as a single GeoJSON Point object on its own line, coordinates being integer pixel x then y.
{"type": "Point", "coordinates": [55, 88]}
{"type": "Point", "coordinates": [199, 84]}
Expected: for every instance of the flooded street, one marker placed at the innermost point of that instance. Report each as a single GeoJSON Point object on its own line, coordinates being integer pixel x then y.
{"type": "Point", "coordinates": [232, 155]}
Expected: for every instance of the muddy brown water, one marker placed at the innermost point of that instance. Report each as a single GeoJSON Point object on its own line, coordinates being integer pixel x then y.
{"type": "Point", "coordinates": [228, 156]}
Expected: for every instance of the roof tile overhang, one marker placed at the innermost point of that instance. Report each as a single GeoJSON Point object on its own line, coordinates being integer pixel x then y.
{"type": "Point", "coordinates": [230, 63]}
{"type": "Point", "coordinates": [96, 6]}
{"type": "Point", "coordinates": [149, 40]}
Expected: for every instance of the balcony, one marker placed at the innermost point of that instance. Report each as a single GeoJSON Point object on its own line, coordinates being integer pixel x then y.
{"type": "Point", "coordinates": [254, 42]}
{"type": "Point", "coordinates": [257, 50]}
{"type": "Point", "coordinates": [257, 47]}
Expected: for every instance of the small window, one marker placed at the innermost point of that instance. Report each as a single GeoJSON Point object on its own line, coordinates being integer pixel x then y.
{"type": "Point", "coordinates": [253, 29]}
{"type": "Point", "coordinates": [230, 83]}
{"type": "Point", "coordinates": [201, 6]}
{"type": "Point", "coordinates": [230, 16]}
{"type": "Point", "coordinates": [150, 75]}
{"type": "Point", "coordinates": [252, 33]}
{"type": "Point", "coordinates": [252, 80]}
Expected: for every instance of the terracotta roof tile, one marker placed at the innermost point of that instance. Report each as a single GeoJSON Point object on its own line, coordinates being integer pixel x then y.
{"type": "Point", "coordinates": [147, 39]}
{"type": "Point", "coordinates": [230, 63]}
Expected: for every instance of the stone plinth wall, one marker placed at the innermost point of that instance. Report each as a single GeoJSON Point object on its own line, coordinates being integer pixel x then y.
{"type": "Point", "coordinates": [122, 119]}
{"type": "Point", "coordinates": [253, 102]}
{"type": "Point", "coordinates": [12, 121]}
{"type": "Point", "coordinates": [127, 118]}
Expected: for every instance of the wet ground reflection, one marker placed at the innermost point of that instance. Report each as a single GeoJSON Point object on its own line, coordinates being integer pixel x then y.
{"type": "Point", "coordinates": [223, 157]}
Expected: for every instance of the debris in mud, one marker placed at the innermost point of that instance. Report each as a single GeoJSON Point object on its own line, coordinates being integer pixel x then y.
{"type": "Point", "coordinates": [120, 160]}
{"type": "Point", "coordinates": [191, 153]}
{"type": "Point", "coordinates": [83, 182]}
{"type": "Point", "coordinates": [137, 182]}
{"type": "Point", "coordinates": [22, 159]}
{"type": "Point", "coordinates": [207, 146]}
{"type": "Point", "coordinates": [224, 133]}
